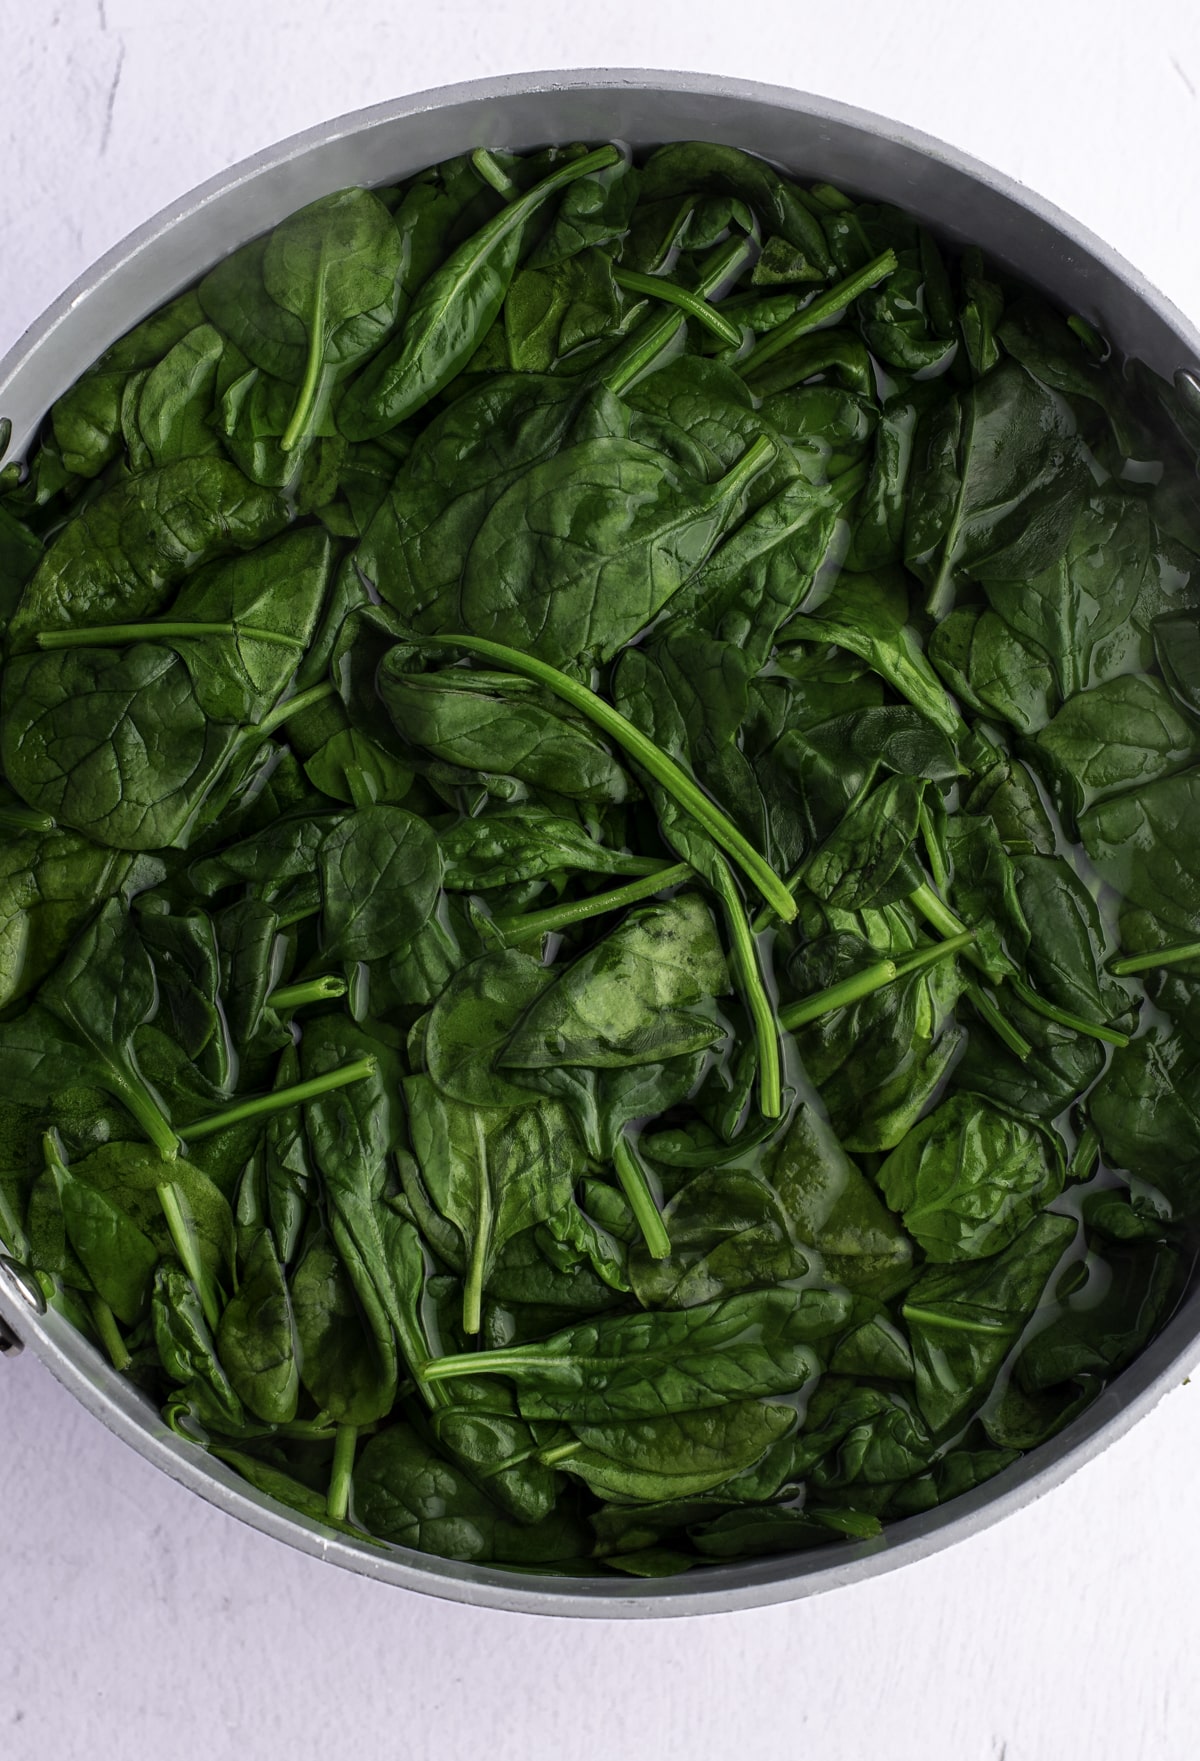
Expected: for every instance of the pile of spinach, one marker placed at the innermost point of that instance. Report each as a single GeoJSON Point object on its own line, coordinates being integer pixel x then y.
{"type": "Point", "coordinates": [599, 874]}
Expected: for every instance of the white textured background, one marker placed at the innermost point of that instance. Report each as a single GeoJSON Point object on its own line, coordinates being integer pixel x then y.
{"type": "Point", "coordinates": [135, 1622]}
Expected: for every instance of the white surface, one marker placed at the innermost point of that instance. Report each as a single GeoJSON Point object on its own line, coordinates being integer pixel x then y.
{"type": "Point", "coordinates": [136, 1622]}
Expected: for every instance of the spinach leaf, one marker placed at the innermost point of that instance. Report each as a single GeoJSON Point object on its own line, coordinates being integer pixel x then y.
{"type": "Point", "coordinates": [452, 312]}
{"type": "Point", "coordinates": [997, 485]}
{"type": "Point", "coordinates": [967, 1179]}
{"type": "Point", "coordinates": [645, 994]}
{"type": "Point", "coordinates": [337, 265]}
{"type": "Point", "coordinates": [964, 1320]}
{"type": "Point", "coordinates": [121, 555]}
{"type": "Point", "coordinates": [757, 1343]}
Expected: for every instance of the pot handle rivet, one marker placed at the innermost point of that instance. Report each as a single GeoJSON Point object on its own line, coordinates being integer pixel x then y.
{"type": "Point", "coordinates": [1187, 384]}
{"type": "Point", "coordinates": [21, 1283]}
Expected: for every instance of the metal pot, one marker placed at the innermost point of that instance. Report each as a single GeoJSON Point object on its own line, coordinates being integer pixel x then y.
{"type": "Point", "coordinates": [812, 138]}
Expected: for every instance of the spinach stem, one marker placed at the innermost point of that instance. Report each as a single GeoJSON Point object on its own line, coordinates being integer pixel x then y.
{"type": "Point", "coordinates": [651, 339]}
{"type": "Point", "coordinates": [747, 966]}
{"type": "Point", "coordinates": [1130, 963]}
{"type": "Point", "coordinates": [117, 635]}
{"type": "Point", "coordinates": [1087, 1154]}
{"type": "Point", "coordinates": [643, 751]}
{"type": "Point", "coordinates": [110, 1333]}
{"type": "Point", "coordinates": [558, 1452]}
{"type": "Point", "coordinates": [149, 1116]}
{"type": "Point", "coordinates": [183, 1234]}
{"type": "Point", "coordinates": [481, 1241]}
{"type": "Point", "coordinates": [283, 712]}
{"type": "Point", "coordinates": [337, 1503]}
{"type": "Point", "coordinates": [281, 1098]}
{"type": "Point", "coordinates": [935, 911]}
{"type": "Point", "coordinates": [693, 305]}
{"type": "Point", "coordinates": [306, 397]}
{"type": "Point", "coordinates": [826, 305]}
{"type": "Point", "coordinates": [308, 990]}
{"type": "Point", "coordinates": [522, 926]}
{"type": "Point", "coordinates": [836, 996]}
{"type": "Point", "coordinates": [1064, 1017]}
{"type": "Point", "coordinates": [1004, 1030]}
{"type": "Point", "coordinates": [931, 1318]}
{"type": "Point", "coordinates": [25, 819]}
{"type": "Point", "coordinates": [922, 957]}
{"type": "Point", "coordinates": [632, 1176]}
{"type": "Point", "coordinates": [494, 173]}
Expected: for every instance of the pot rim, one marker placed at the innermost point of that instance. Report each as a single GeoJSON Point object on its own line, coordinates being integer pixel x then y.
{"type": "Point", "coordinates": [707, 1590]}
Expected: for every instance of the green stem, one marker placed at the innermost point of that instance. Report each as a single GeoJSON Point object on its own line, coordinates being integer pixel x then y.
{"type": "Point", "coordinates": [754, 991]}
{"type": "Point", "coordinates": [932, 850]}
{"type": "Point", "coordinates": [494, 173]}
{"type": "Point", "coordinates": [25, 819]}
{"type": "Point", "coordinates": [922, 957]}
{"type": "Point", "coordinates": [1065, 1018]}
{"type": "Point", "coordinates": [110, 1333]}
{"type": "Point", "coordinates": [560, 1452]}
{"type": "Point", "coordinates": [309, 990]}
{"type": "Point", "coordinates": [648, 342]}
{"type": "Point", "coordinates": [283, 712]}
{"type": "Point", "coordinates": [281, 1098]}
{"type": "Point", "coordinates": [481, 1244]}
{"type": "Point", "coordinates": [183, 1234]}
{"type": "Point", "coordinates": [118, 635]}
{"type": "Point", "coordinates": [523, 926]}
{"type": "Point", "coordinates": [836, 996]}
{"type": "Point", "coordinates": [149, 1116]}
{"type": "Point", "coordinates": [936, 911]}
{"type": "Point", "coordinates": [1087, 1154]}
{"type": "Point", "coordinates": [337, 1503]}
{"type": "Point", "coordinates": [312, 370]}
{"type": "Point", "coordinates": [632, 1176]}
{"type": "Point", "coordinates": [297, 915]}
{"type": "Point", "coordinates": [931, 1318]}
{"type": "Point", "coordinates": [657, 287]}
{"type": "Point", "coordinates": [643, 751]}
{"type": "Point", "coordinates": [1004, 1030]}
{"type": "Point", "coordinates": [1130, 963]}
{"type": "Point", "coordinates": [826, 305]}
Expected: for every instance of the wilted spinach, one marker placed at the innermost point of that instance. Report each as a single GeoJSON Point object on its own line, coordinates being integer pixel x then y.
{"type": "Point", "coordinates": [599, 902]}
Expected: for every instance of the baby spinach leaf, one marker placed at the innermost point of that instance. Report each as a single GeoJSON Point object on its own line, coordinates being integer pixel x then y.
{"type": "Point", "coordinates": [757, 1343]}
{"type": "Point", "coordinates": [491, 1172]}
{"type": "Point", "coordinates": [967, 1179]}
{"type": "Point", "coordinates": [84, 1020]}
{"type": "Point", "coordinates": [113, 742]}
{"type": "Point", "coordinates": [452, 312]}
{"type": "Point", "coordinates": [1118, 735]}
{"type": "Point", "coordinates": [337, 266]}
{"type": "Point", "coordinates": [406, 1493]}
{"type": "Point", "coordinates": [963, 1321]}
{"type": "Point", "coordinates": [381, 872]}
{"type": "Point", "coordinates": [614, 531]}
{"type": "Point", "coordinates": [119, 558]}
{"type": "Point", "coordinates": [473, 1020]}
{"type": "Point", "coordinates": [642, 995]}
{"type": "Point", "coordinates": [490, 722]}
{"type": "Point", "coordinates": [257, 1339]}
{"type": "Point", "coordinates": [679, 1455]}
{"type": "Point", "coordinates": [997, 487]}
{"type": "Point", "coordinates": [835, 1209]}
{"type": "Point", "coordinates": [1142, 844]}
{"type": "Point", "coordinates": [728, 1231]}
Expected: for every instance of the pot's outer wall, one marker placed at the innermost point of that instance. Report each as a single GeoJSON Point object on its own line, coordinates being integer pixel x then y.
{"type": "Point", "coordinates": [815, 139]}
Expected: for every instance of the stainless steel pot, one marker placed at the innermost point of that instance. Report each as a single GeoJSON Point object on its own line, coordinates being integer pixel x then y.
{"type": "Point", "coordinates": [812, 138]}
